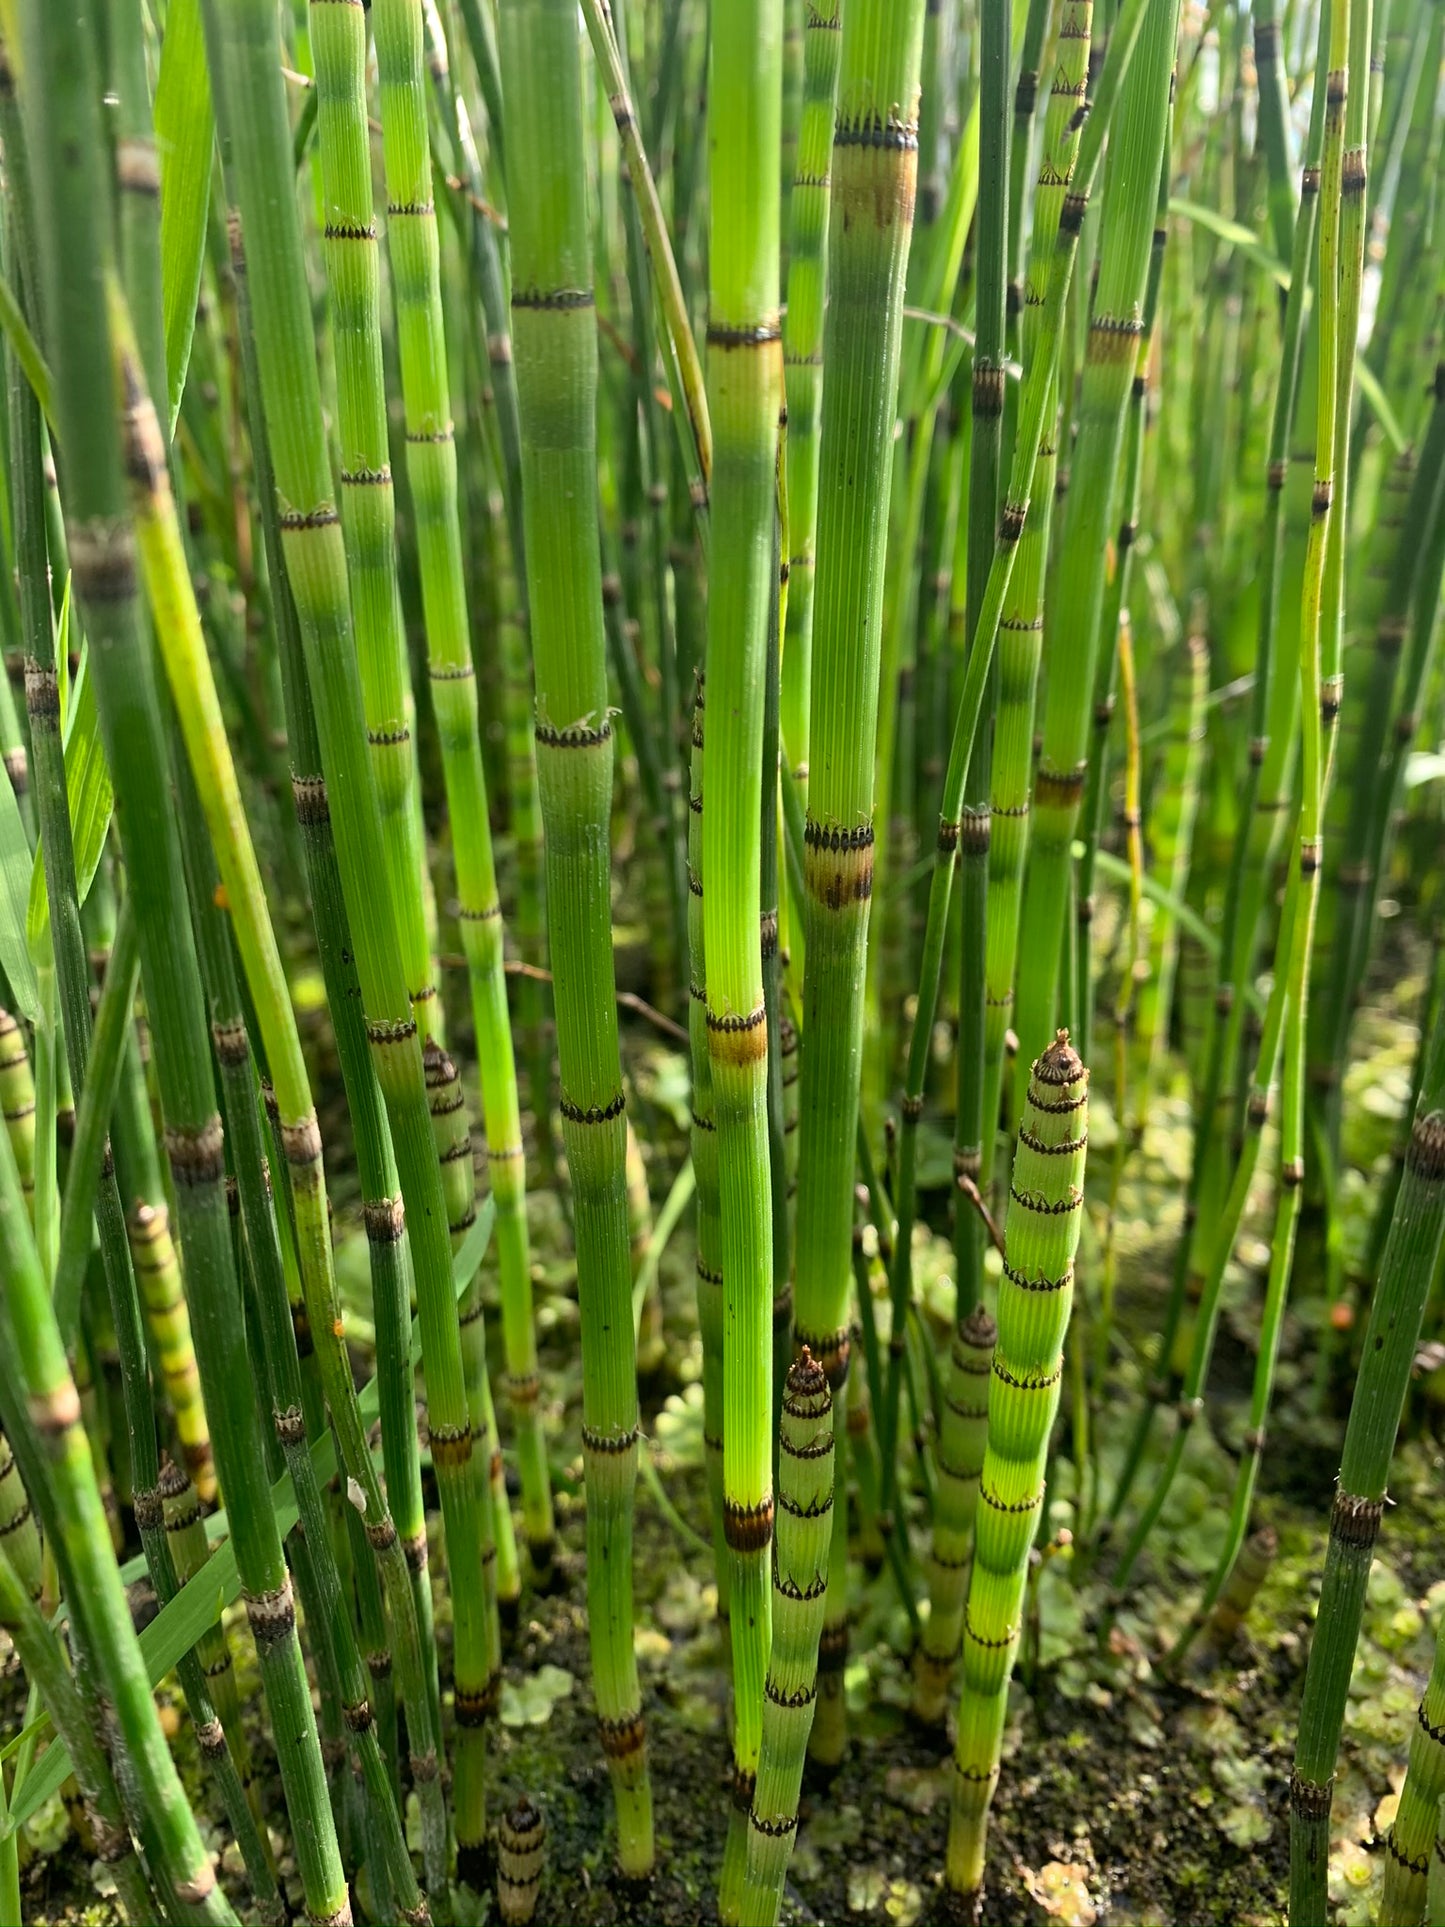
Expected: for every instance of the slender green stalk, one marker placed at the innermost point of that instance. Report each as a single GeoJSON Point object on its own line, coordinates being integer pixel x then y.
{"type": "Point", "coordinates": [555, 343]}
{"type": "Point", "coordinates": [72, 201]}
{"type": "Point", "coordinates": [808, 209]}
{"type": "Point", "coordinates": [800, 1580]}
{"type": "Point", "coordinates": [1046, 1203]}
{"type": "Point", "coordinates": [454, 1152]}
{"type": "Point", "coordinates": [382, 1210]}
{"type": "Point", "coordinates": [1115, 328]}
{"type": "Point", "coordinates": [1415, 1828]}
{"type": "Point", "coordinates": [602, 34]}
{"type": "Point", "coordinates": [432, 475]}
{"type": "Point", "coordinates": [958, 1463]}
{"type": "Point", "coordinates": [44, 1661]}
{"type": "Point", "coordinates": [98, 1603]}
{"type": "Point", "coordinates": [1251, 1569]}
{"type": "Point", "coordinates": [245, 56]}
{"type": "Point", "coordinates": [19, 1533]}
{"type": "Point", "coordinates": [745, 394]}
{"type": "Point", "coordinates": [972, 1121]}
{"type": "Point", "coordinates": [873, 180]}
{"type": "Point", "coordinates": [1409, 1261]}
{"type": "Point", "coordinates": [368, 508]}
{"type": "Point", "coordinates": [17, 1104]}
{"type": "Point", "coordinates": [704, 1160]}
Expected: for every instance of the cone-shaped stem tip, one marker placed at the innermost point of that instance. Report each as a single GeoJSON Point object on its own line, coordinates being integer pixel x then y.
{"type": "Point", "coordinates": [1060, 1063]}
{"type": "Point", "coordinates": [172, 1482]}
{"type": "Point", "coordinates": [806, 1377]}
{"type": "Point", "coordinates": [439, 1067]}
{"type": "Point", "coordinates": [979, 1330]}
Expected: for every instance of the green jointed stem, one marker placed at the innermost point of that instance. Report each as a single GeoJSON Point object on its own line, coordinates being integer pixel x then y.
{"type": "Point", "coordinates": [19, 1534]}
{"type": "Point", "coordinates": [1115, 326]}
{"type": "Point", "coordinates": [808, 206]}
{"type": "Point", "coordinates": [1038, 393]}
{"type": "Point", "coordinates": [190, 1549]}
{"type": "Point", "coordinates": [1411, 1254]}
{"type": "Point", "coordinates": [51, 1406]}
{"type": "Point", "coordinates": [432, 475]}
{"type": "Point", "coordinates": [704, 1164]}
{"type": "Point", "coordinates": [314, 1325]}
{"type": "Point", "coordinates": [800, 1579]}
{"type": "Point", "coordinates": [745, 395]}
{"type": "Point", "coordinates": [158, 1274]}
{"type": "Point", "coordinates": [1251, 1569]}
{"type": "Point", "coordinates": [368, 506]}
{"type": "Point", "coordinates": [1046, 1203]}
{"type": "Point", "coordinates": [1417, 1818]}
{"type": "Point", "coordinates": [17, 1103]}
{"type": "Point", "coordinates": [43, 1658]}
{"type": "Point", "coordinates": [972, 1120]}
{"type": "Point", "coordinates": [1171, 840]}
{"type": "Point", "coordinates": [245, 56]}
{"type": "Point", "coordinates": [1271, 761]}
{"type": "Point", "coordinates": [382, 1212]}
{"type": "Point", "coordinates": [454, 1153]}
{"type": "Point", "coordinates": [178, 627]}
{"type": "Point", "coordinates": [554, 338]}
{"type": "Point", "coordinates": [670, 299]}
{"type": "Point", "coordinates": [957, 1464]}
{"type": "Point", "coordinates": [72, 200]}
{"type": "Point", "coordinates": [873, 179]}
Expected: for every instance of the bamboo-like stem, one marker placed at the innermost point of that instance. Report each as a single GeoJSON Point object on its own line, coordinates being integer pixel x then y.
{"type": "Point", "coordinates": [555, 344]}
{"type": "Point", "coordinates": [368, 508]}
{"type": "Point", "coordinates": [52, 1409]}
{"type": "Point", "coordinates": [1046, 1203]}
{"type": "Point", "coordinates": [1271, 753]}
{"type": "Point", "coordinates": [17, 1104]}
{"type": "Point", "coordinates": [244, 56]}
{"type": "Point", "coordinates": [808, 211]}
{"type": "Point", "coordinates": [683, 349]}
{"type": "Point", "coordinates": [178, 628]}
{"type": "Point", "coordinates": [72, 200]}
{"type": "Point", "coordinates": [44, 1662]}
{"type": "Point", "coordinates": [958, 1462]}
{"type": "Point", "coordinates": [873, 181]}
{"type": "Point", "coordinates": [432, 474]}
{"type": "Point", "coordinates": [1115, 329]}
{"type": "Point", "coordinates": [1415, 1828]}
{"type": "Point", "coordinates": [800, 1579]}
{"type": "Point", "coordinates": [1038, 393]}
{"type": "Point", "coordinates": [1411, 1254]}
{"type": "Point", "coordinates": [704, 1164]}
{"type": "Point", "coordinates": [382, 1212]}
{"type": "Point", "coordinates": [745, 395]}
{"type": "Point", "coordinates": [972, 1121]}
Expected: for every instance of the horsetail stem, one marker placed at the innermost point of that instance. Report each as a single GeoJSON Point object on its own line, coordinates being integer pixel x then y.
{"type": "Point", "coordinates": [745, 393]}
{"type": "Point", "coordinates": [432, 474]}
{"type": "Point", "coordinates": [72, 200]}
{"type": "Point", "coordinates": [554, 340]}
{"type": "Point", "coordinates": [874, 172]}
{"type": "Point", "coordinates": [244, 53]}
{"type": "Point", "coordinates": [1409, 1260]}
{"type": "Point", "coordinates": [1115, 328]}
{"type": "Point", "coordinates": [808, 211]}
{"type": "Point", "coordinates": [704, 1163]}
{"type": "Point", "coordinates": [958, 1462]}
{"type": "Point", "coordinates": [1035, 1299]}
{"type": "Point", "coordinates": [368, 509]}
{"type": "Point", "coordinates": [1415, 1828]}
{"type": "Point", "coordinates": [799, 1580]}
